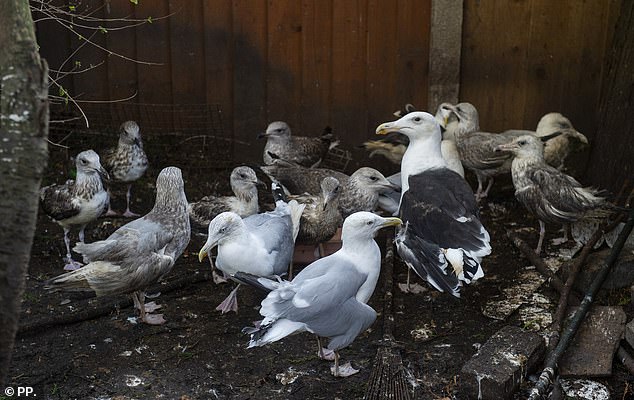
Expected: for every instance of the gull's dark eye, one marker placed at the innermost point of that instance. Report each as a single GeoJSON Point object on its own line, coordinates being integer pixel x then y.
{"type": "Point", "coordinates": [83, 161]}
{"type": "Point", "coordinates": [417, 119]}
{"type": "Point", "coordinates": [522, 142]}
{"type": "Point", "coordinates": [222, 230]}
{"type": "Point", "coordinates": [374, 178]}
{"type": "Point", "coordinates": [369, 223]}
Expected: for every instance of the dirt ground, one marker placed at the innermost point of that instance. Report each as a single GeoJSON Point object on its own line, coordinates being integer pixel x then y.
{"type": "Point", "coordinates": [201, 354]}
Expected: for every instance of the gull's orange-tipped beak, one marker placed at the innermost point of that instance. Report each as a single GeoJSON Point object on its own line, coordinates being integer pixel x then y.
{"type": "Point", "coordinates": [386, 128]}
{"type": "Point", "coordinates": [392, 221]}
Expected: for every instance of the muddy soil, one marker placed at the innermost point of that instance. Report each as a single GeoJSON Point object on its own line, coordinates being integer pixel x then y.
{"type": "Point", "coordinates": [201, 354]}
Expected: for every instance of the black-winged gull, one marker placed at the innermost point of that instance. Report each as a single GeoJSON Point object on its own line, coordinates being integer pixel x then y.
{"type": "Point", "coordinates": [77, 202]}
{"type": "Point", "coordinates": [393, 144]}
{"type": "Point", "coordinates": [328, 297]}
{"type": "Point", "coordinates": [303, 150]}
{"type": "Point", "coordinates": [137, 254]}
{"type": "Point", "coordinates": [127, 162]}
{"type": "Point", "coordinates": [442, 240]}
{"type": "Point", "coordinates": [548, 193]}
{"type": "Point", "coordinates": [244, 202]}
{"type": "Point", "coordinates": [260, 244]}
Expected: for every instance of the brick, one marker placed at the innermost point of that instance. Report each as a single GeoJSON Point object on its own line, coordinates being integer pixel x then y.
{"type": "Point", "coordinates": [501, 364]}
{"type": "Point", "coordinates": [591, 352]}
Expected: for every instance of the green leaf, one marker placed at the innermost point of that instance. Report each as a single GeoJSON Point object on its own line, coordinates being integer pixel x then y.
{"type": "Point", "coordinates": [72, 8]}
{"type": "Point", "coordinates": [149, 19]}
{"type": "Point", "coordinates": [78, 64]}
{"type": "Point", "coordinates": [102, 29]}
{"type": "Point", "coordinates": [136, 2]}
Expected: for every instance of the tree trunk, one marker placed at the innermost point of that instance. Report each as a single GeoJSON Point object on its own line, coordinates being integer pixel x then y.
{"type": "Point", "coordinates": [23, 157]}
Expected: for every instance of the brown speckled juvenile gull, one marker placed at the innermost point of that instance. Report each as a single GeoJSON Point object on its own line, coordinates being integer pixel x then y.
{"type": "Point", "coordinates": [321, 217]}
{"type": "Point", "coordinates": [359, 191]}
{"type": "Point", "coordinates": [127, 162]}
{"type": "Point", "coordinates": [329, 297]}
{"type": "Point", "coordinates": [303, 150]}
{"type": "Point", "coordinates": [557, 148]}
{"type": "Point", "coordinates": [77, 202]}
{"type": "Point", "coordinates": [244, 202]}
{"type": "Point", "coordinates": [139, 253]}
{"type": "Point", "coordinates": [546, 192]}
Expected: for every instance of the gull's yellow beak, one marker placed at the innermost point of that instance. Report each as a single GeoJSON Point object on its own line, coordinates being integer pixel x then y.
{"type": "Point", "coordinates": [386, 128]}
{"type": "Point", "coordinates": [392, 221]}
{"type": "Point", "coordinates": [202, 254]}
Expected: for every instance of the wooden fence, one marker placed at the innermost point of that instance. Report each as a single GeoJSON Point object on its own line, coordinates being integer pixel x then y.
{"type": "Point", "coordinates": [343, 63]}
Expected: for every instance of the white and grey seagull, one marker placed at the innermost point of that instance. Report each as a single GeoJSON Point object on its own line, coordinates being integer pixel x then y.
{"type": "Point", "coordinates": [260, 244]}
{"type": "Point", "coordinates": [329, 297]}
{"type": "Point", "coordinates": [137, 254]}
{"type": "Point", "coordinates": [77, 202]}
{"type": "Point", "coordinates": [442, 239]}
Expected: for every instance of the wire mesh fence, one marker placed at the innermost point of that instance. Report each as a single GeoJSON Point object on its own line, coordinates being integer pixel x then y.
{"type": "Point", "coordinates": [190, 136]}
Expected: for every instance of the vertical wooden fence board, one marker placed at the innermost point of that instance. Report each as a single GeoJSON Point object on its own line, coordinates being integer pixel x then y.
{"type": "Point", "coordinates": [249, 79]}
{"type": "Point", "coordinates": [187, 52]}
{"type": "Point", "coordinates": [218, 31]}
{"type": "Point", "coordinates": [316, 63]}
{"type": "Point", "coordinates": [413, 30]}
{"type": "Point", "coordinates": [495, 44]}
{"type": "Point", "coordinates": [284, 57]}
{"type": "Point", "coordinates": [91, 85]}
{"type": "Point", "coordinates": [349, 96]}
{"type": "Point", "coordinates": [54, 42]}
{"type": "Point", "coordinates": [382, 63]}
{"type": "Point", "coordinates": [122, 74]}
{"type": "Point", "coordinates": [612, 152]}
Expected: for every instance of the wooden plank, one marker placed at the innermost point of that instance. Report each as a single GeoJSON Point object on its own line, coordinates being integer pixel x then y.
{"type": "Point", "coordinates": [284, 64]}
{"type": "Point", "coordinates": [493, 77]}
{"type": "Point", "coordinates": [316, 63]}
{"type": "Point", "coordinates": [187, 52]}
{"type": "Point", "coordinates": [413, 33]}
{"type": "Point", "coordinates": [93, 84]}
{"type": "Point", "coordinates": [218, 36]}
{"type": "Point", "coordinates": [154, 81]}
{"type": "Point", "coordinates": [122, 73]}
{"type": "Point", "coordinates": [349, 96]}
{"type": "Point", "coordinates": [249, 81]}
{"type": "Point", "coordinates": [54, 41]}
{"type": "Point", "coordinates": [382, 65]}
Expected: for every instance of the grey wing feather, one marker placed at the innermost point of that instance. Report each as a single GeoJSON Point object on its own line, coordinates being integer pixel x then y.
{"type": "Point", "coordinates": [129, 243]}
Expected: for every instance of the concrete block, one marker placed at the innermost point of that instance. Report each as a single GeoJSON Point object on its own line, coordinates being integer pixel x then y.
{"type": "Point", "coordinates": [501, 364]}
{"type": "Point", "coordinates": [591, 352]}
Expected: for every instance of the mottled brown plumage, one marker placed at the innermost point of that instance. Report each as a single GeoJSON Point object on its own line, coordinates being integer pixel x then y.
{"type": "Point", "coordinates": [546, 192]}
{"type": "Point", "coordinates": [127, 162]}
{"type": "Point", "coordinates": [139, 253]}
{"type": "Point", "coordinates": [303, 150]}
{"type": "Point", "coordinates": [244, 202]}
{"type": "Point", "coordinates": [321, 217]}
{"type": "Point", "coordinates": [77, 202]}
